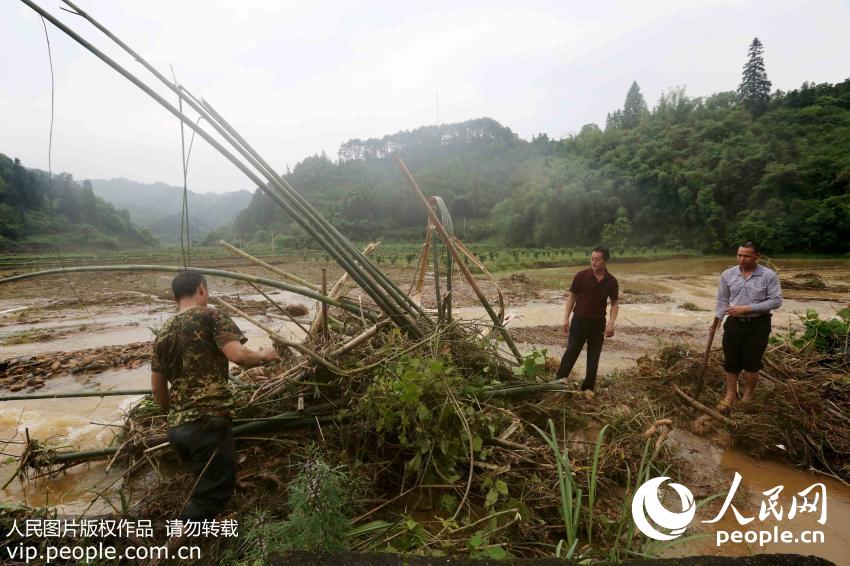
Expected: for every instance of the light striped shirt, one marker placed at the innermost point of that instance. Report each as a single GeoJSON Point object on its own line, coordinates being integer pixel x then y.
{"type": "Point", "coordinates": [760, 291]}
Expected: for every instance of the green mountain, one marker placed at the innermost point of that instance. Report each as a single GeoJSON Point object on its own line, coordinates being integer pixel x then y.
{"type": "Point", "coordinates": [35, 213]}
{"type": "Point", "coordinates": [701, 173]}
{"type": "Point", "coordinates": [365, 196]}
{"type": "Point", "coordinates": [157, 206]}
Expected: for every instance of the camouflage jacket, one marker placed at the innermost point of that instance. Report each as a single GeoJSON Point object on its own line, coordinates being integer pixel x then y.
{"type": "Point", "coordinates": [187, 351]}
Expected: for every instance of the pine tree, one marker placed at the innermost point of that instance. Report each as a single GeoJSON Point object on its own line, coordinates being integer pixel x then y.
{"type": "Point", "coordinates": [614, 121]}
{"type": "Point", "coordinates": [635, 109]}
{"type": "Point", "coordinates": [754, 89]}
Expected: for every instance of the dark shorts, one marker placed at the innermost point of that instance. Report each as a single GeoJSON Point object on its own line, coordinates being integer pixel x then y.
{"type": "Point", "coordinates": [744, 343]}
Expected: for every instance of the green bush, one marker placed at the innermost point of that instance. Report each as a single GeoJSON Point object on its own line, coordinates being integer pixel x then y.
{"type": "Point", "coordinates": [317, 501]}
{"type": "Point", "coordinates": [418, 405]}
{"type": "Point", "coordinates": [826, 336]}
{"type": "Point", "coordinates": [317, 521]}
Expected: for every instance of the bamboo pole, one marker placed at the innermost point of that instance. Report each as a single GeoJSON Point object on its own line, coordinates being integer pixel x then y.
{"type": "Point", "coordinates": [701, 378]}
{"type": "Point", "coordinates": [323, 311]}
{"type": "Point", "coordinates": [283, 423]}
{"type": "Point", "coordinates": [287, 420]}
{"type": "Point", "coordinates": [288, 416]}
{"type": "Point", "coordinates": [437, 287]}
{"type": "Point", "coordinates": [235, 139]}
{"type": "Point", "coordinates": [318, 230]}
{"type": "Point", "coordinates": [281, 309]}
{"type": "Point", "coordinates": [359, 339]}
{"type": "Point", "coordinates": [242, 429]}
{"type": "Point", "coordinates": [279, 186]}
{"type": "Point", "coordinates": [338, 286]}
{"type": "Point", "coordinates": [81, 456]}
{"type": "Point", "coordinates": [403, 300]}
{"type": "Point", "coordinates": [75, 395]}
{"type": "Point", "coordinates": [448, 224]}
{"type": "Point", "coordinates": [464, 270]}
{"type": "Point", "coordinates": [347, 305]}
{"type": "Point", "coordinates": [418, 283]}
{"type": "Point", "coordinates": [525, 389]}
{"type": "Point", "coordinates": [273, 269]}
{"type": "Point", "coordinates": [336, 291]}
{"type": "Point", "coordinates": [280, 339]}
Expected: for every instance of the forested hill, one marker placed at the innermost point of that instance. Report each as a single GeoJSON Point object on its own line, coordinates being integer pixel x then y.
{"type": "Point", "coordinates": [362, 192]}
{"type": "Point", "coordinates": [699, 173]}
{"type": "Point", "coordinates": [35, 214]}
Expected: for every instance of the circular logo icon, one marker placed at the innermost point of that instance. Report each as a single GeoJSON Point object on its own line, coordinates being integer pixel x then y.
{"type": "Point", "coordinates": [646, 506]}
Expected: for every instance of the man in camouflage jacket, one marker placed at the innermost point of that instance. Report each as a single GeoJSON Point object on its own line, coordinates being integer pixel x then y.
{"type": "Point", "coordinates": [191, 354]}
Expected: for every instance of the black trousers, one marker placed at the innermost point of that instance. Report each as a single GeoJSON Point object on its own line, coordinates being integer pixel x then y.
{"type": "Point", "coordinates": [207, 445]}
{"type": "Point", "coordinates": [592, 331]}
{"type": "Point", "coordinates": [744, 343]}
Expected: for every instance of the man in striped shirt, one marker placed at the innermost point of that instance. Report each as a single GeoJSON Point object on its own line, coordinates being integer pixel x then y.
{"type": "Point", "coordinates": [747, 294]}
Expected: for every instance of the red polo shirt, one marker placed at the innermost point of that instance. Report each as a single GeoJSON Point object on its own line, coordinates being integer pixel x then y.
{"type": "Point", "coordinates": [592, 295]}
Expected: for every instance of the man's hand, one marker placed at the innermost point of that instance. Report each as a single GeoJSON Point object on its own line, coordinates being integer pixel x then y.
{"type": "Point", "coordinates": [246, 357]}
{"type": "Point", "coordinates": [269, 354]}
{"type": "Point", "coordinates": [714, 324]}
{"type": "Point", "coordinates": [739, 310]}
{"type": "Point", "coordinates": [566, 326]}
{"type": "Point", "coordinates": [609, 331]}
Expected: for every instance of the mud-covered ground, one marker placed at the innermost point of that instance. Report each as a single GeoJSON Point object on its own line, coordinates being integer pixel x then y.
{"type": "Point", "coordinates": [67, 333]}
{"type": "Point", "coordinates": [86, 323]}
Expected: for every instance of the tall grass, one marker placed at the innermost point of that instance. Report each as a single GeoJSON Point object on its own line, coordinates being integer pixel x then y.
{"type": "Point", "coordinates": [395, 254]}
{"type": "Point", "coordinates": [591, 487]}
{"type": "Point", "coordinates": [571, 499]}
{"type": "Point", "coordinates": [574, 512]}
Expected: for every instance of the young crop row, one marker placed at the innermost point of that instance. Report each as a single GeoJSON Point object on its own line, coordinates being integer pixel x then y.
{"type": "Point", "coordinates": [496, 258]}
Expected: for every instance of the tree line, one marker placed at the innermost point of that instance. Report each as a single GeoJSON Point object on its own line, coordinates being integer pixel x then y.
{"type": "Point", "coordinates": [691, 172]}
{"type": "Point", "coordinates": [34, 213]}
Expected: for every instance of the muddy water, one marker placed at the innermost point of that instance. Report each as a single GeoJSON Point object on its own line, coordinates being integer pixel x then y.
{"type": "Point", "coordinates": [758, 477]}
{"type": "Point", "coordinates": [84, 422]}
{"type": "Point", "coordinates": [81, 422]}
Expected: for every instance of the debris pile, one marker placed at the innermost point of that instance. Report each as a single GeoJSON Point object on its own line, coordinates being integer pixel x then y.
{"type": "Point", "coordinates": [811, 281]}
{"type": "Point", "coordinates": [32, 371]}
{"type": "Point", "coordinates": [801, 410]}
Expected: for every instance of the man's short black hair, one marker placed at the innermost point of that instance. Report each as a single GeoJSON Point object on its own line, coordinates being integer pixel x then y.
{"type": "Point", "coordinates": [606, 253]}
{"type": "Point", "coordinates": [752, 246]}
{"type": "Point", "coordinates": [185, 284]}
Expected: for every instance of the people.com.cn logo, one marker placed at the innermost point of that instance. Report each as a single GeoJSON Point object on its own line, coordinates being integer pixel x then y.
{"type": "Point", "coordinates": [646, 506]}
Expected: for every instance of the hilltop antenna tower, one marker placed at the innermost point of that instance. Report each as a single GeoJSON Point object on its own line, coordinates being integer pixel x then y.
{"type": "Point", "coordinates": [438, 107]}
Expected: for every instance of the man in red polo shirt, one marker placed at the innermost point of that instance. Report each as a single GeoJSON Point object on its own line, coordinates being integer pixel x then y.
{"type": "Point", "coordinates": [589, 294]}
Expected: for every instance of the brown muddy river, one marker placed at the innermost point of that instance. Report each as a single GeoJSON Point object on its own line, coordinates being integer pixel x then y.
{"type": "Point", "coordinates": [651, 313]}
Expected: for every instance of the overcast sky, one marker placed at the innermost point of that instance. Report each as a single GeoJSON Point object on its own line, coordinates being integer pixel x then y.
{"type": "Point", "coordinates": [300, 77]}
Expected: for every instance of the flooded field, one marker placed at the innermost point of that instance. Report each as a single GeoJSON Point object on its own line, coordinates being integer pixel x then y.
{"type": "Point", "coordinates": [74, 331]}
